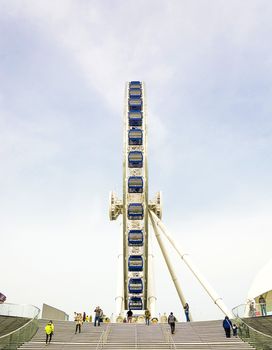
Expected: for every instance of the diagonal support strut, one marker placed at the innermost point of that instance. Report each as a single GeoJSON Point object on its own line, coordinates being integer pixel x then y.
{"type": "Point", "coordinates": [157, 223]}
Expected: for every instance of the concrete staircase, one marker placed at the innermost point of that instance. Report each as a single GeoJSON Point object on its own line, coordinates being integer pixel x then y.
{"type": "Point", "coordinates": [188, 336]}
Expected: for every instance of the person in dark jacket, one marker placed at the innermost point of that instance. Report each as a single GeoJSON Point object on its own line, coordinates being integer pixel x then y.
{"type": "Point", "coordinates": [187, 313]}
{"type": "Point", "coordinates": [235, 330]}
{"type": "Point", "coordinates": [98, 315]}
{"type": "Point", "coordinates": [172, 322]}
{"type": "Point", "coordinates": [227, 325]}
{"type": "Point", "coordinates": [129, 316]}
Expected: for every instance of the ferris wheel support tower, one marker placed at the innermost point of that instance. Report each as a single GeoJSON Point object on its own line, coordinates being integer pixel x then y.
{"type": "Point", "coordinates": [135, 287]}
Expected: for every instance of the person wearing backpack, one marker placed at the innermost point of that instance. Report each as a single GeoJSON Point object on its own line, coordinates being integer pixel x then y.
{"type": "Point", "coordinates": [227, 325]}
{"type": "Point", "coordinates": [172, 322]}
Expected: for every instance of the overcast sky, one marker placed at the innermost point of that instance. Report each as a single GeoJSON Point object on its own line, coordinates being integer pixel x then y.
{"type": "Point", "coordinates": [63, 67]}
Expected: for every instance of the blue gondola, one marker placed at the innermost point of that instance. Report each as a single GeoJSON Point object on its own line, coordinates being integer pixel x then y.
{"type": "Point", "coordinates": [135, 104]}
{"type": "Point", "coordinates": [135, 303]}
{"type": "Point", "coordinates": [135, 118]}
{"type": "Point", "coordinates": [135, 85]}
{"type": "Point", "coordinates": [135, 137]}
{"type": "Point", "coordinates": [135, 285]}
{"type": "Point", "coordinates": [135, 238]}
{"type": "Point", "coordinates": [135, 93]}
{"type": "Point", "coordinates": [135, 263]}
{"type": "Point", "coordinates": [135, 211]}
{"type": "Point", "coordinates": [135, 159]}
{"type": "Point", "coordinates": [135, 184]}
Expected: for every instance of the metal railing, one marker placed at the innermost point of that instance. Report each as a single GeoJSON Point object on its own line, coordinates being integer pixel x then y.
{"type": "Point", "coordinates": [252, 309]}
{"type": "Point", "coordinates": [167, 336]}
{"type": "Point", "coordinates": [104, 337]}
{"type": "Point", "coordinates": [24, 333]}
{"type": "Point", "coordinates": [259, 340]}
{"type": "Point", "coordinates": [136, 337]}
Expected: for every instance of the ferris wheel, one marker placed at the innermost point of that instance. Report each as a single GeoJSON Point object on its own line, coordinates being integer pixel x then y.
{"type": "Point", "coordinates": [136, 288]}
{"type": "Point", "coordinates": [134, 205]}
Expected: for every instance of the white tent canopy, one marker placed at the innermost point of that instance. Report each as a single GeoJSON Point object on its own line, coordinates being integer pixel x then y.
{"type": "Point", "coordinates": [262, 283]}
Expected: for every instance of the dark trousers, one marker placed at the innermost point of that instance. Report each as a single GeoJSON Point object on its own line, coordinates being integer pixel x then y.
{"type": "Point", "coordinates": [48, 337]}
{"type": "Point", "coordinates": [227, 330]}
{"type": "Point", "coordinates": [147, 321]}
{"type": "Point", "coordinates": [263, 309]}
{"type": "Point", "coordinates": [97, 319]}
{"type": "Point", "coordinates": [187, 316]}
{"type": "Point", "coordinates": [172, 326]}
{"type": "Point", "coordinates": [78, 327]}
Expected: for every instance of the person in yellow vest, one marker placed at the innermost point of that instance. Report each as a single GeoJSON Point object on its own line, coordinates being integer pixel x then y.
{"type": "Point", "coordinates": [49, 331]}
{"type": "Point", "coordinates": [87, 318]}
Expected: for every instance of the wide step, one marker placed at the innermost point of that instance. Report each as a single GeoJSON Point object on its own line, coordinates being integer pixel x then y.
{"type": "Point", "coordinates": [188, 336]}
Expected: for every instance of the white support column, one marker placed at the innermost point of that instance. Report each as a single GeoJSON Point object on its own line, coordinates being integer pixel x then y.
{"type": "Point", "coordinates": [184, 256]}
{"type": "Point", "coordinates": [151, 299]}
{"type": "Point", "coordinates": [119, 300]}
{"type": "Point", "coordinates": [167, 260]}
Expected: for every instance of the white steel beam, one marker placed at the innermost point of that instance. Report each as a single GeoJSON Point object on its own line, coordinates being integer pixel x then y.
{"type": "Point", "coordinates": [184, 256]}
{"type": "Point", "coordinates": [151, 296]}
{"type": "Point", "coordinates": [167, 260]}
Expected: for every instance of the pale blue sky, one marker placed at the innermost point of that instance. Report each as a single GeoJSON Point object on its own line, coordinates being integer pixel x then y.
{"type": "Point", "coordinates": [63, 68]}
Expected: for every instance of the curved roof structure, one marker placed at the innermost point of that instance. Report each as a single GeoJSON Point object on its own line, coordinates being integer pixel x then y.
{"type": "Point", "coordinates": [262, 283]}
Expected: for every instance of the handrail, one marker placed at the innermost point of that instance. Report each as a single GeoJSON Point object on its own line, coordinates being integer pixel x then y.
{"type": "Point", "coordinates": [18, 329]}
{"type": "Point", "coordinates": [171, 341]}
{"type": "Point", "coordinates": [250, 334]}
{"type": "Point", "coordinates": [100, 341]}
{"type": "Point", "coordinates": [22, 334]}
{"type": "Point", "coordinates": [103, 338]}
{"type": "Point", "coordinates": [19, 305]}
{"type": "Point", "coordinates": [168, 337]}
{"type": "Point", "coordinates": [252, 309]}
{"type": "Point", "coordinates": [136, 337]}
{"type": "Point", "coordinates": [242, 321]}
{"type": "Point", "coordinates": [107, 333]}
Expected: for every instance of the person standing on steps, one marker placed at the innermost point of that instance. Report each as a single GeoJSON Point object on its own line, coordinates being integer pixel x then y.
{"type": "Point", "coordinates": [262, 303]}
{"type": "Point", "coordinates": [147, 317]}
{"type": "Point", "coordinates": [97, 315]}
{"type": "Point", "coordinates": [252, 310]}
{"type": "Point", "coordinates": [227, 325]}
{"type": "Point", "coordinates": [235, 330]}
{"type": "Point", "coordinates": [49, 331]}
{"type": "Point", "coordinates": [129, 316]}
{"type": "Point", "coordinates": [172, 322]}
{"type": "Point", "coordinates": [186, 310]}
{"type": "Point", "coordinates": [79, 322]}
